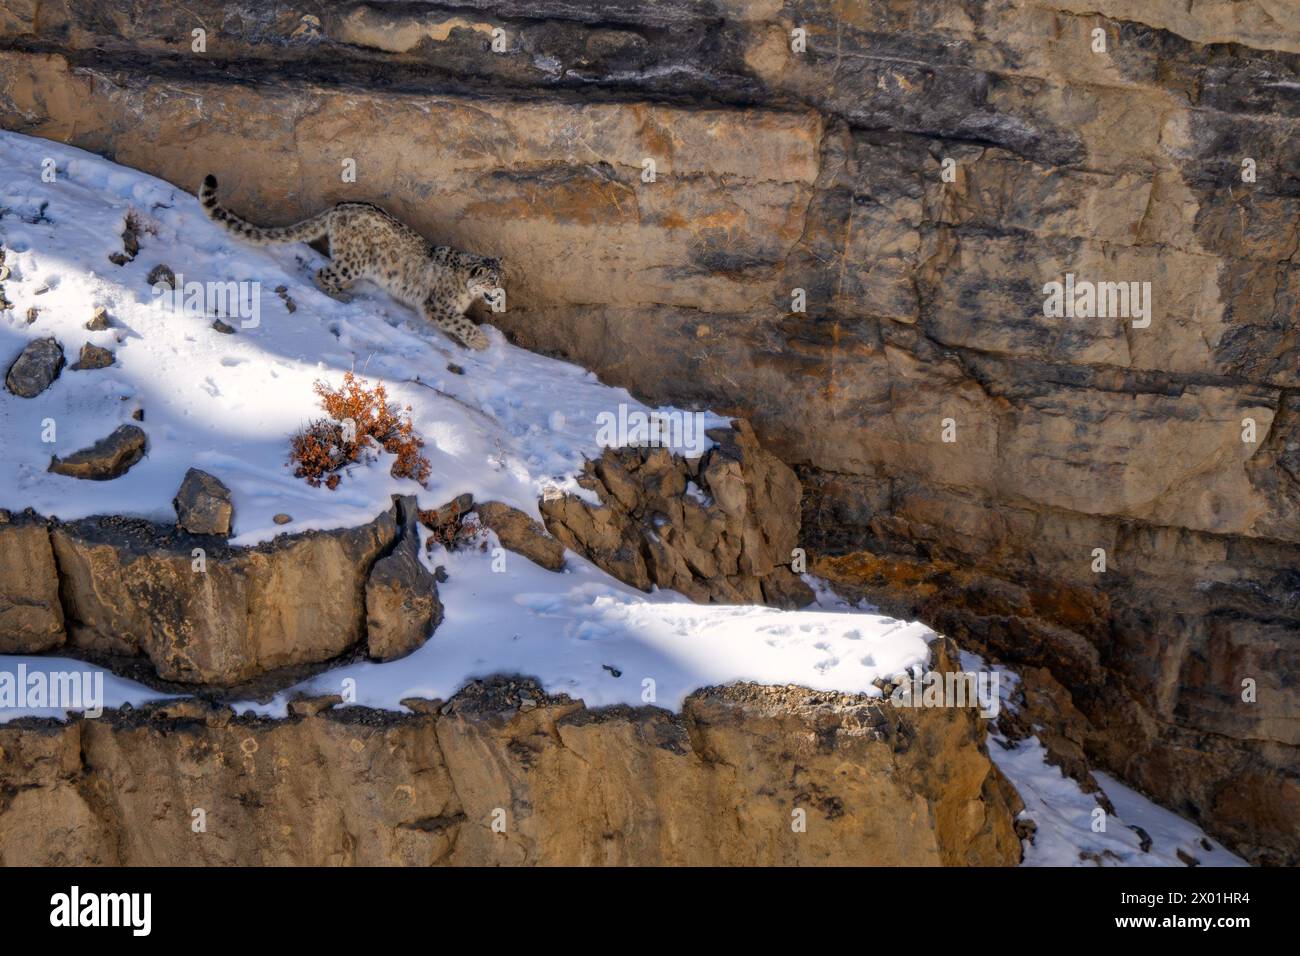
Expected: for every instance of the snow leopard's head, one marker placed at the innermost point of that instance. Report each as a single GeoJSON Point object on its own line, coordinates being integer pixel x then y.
{"type": "Point", "coordinates": [484, 279]}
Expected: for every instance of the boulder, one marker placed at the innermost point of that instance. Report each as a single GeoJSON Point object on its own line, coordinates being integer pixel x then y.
{"type": "Point", "coordinates": [402, 606]}
{"type": "Point", "coordinates": [521, 534]}
{"type": "Point", "coordinates": [36, 368]}
{"type": "Point", "coordinates": [105, 460]}
{"type": "Point", "coordinates": [203, 504]}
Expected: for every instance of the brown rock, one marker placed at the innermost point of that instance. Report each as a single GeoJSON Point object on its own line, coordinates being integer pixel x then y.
{"type": "Point", "coordinates": [105, 460]}
{"type": "Point", "coordinates": [311, 706]}
{"type": "Point", "coordinates": [131, 588]}
{"type": "Point", "coordinates": [522, 534]}
{"type": "Point", "coordinates": [31, 617]}
{"type": "Point", "coordinates": [93, 357]}
{"type": "Point", "coordinates": [402, 606]}
{"type": "Point", "coordinates": [99, 321]}
{"type": "Point", "coordinates": [731, 541]}
{"type": "Point", "coordinates": [610, 787]}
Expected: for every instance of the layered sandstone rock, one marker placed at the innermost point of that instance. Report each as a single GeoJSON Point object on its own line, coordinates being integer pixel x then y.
{"type": "Point", "coordinates": [721, 783]}
{"type": "Point", "coordinates": [200, 611]}
{"type": "Point", "coordinates": [821, 171]}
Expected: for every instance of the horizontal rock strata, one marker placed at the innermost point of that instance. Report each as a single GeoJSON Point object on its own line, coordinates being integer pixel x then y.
{"type": "Point", "coordinates": [745, 775]}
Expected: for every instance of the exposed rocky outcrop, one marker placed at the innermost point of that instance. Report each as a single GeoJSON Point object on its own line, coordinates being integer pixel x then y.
{"type": "Point", "coordinates": [35, 368]}
{"type": "Point", "coordinates": [31, 617]}
{"type": "Point", "coordinates": [731, 539]}
{"type": "Point", "coordinates": [820, 171]}
{"type": "Point", "coordinates": [721, 783]}
{"type": "Point", "coordinates": [110, 457]}
{"type": "Point", "coordinates": [198, 611]}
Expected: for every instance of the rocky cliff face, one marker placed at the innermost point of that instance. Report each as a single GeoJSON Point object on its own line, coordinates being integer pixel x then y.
{"type": "Point", "coordinates": [746, 775]}
{"type": "Point", "coordinates": [822, 171]}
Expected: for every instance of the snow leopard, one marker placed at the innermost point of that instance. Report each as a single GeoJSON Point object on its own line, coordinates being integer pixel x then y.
{"type": "Point", "coordinates": [367, 243]}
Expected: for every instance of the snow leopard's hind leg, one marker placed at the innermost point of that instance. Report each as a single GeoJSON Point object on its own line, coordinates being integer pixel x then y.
{"type": "Point", "coordinates": [332, 282]}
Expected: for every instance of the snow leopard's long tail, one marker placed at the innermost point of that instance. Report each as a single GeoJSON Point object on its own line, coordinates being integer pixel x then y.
{"type": "Point", "coordinates": [304, 231]}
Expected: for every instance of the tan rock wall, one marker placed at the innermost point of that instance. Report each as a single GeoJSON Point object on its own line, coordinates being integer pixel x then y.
{"type": "Point", "coordinates": [569, 786]}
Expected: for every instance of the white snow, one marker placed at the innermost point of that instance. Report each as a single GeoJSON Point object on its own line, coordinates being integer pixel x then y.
{"type": "Point", "coordinates": [512, 427]}
{"type": "Point", "coordinates": [1068, 819]}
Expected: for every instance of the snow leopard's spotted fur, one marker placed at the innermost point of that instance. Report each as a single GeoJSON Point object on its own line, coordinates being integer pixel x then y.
{"type": "Point", "coordinates": [367, 243]}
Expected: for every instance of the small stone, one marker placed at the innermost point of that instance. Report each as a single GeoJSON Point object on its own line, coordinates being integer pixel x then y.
{"type": "Point", "coordinates": [138, 414]}
{"type": "Point", "coordinates": [222, 327]}
{"type": "Point", "coordinates": [99, 322]}
{"type": "Point", "coordinates": [118, 258]}
{"type": "Point", "coordinates": [613, 670]}
{"type": "Point", "coordinates": [105, 460]}
{"type": "Point", "coordinates": [281, 290]}
{"type": "Point", "coordinates": [1187, 858]}
{"type": "Point", "coordinates": [455, 369]}
{"type": "Point", "coordinates": [440, 574]}
{"type": "Point", "coordinates": [311, 706]}
{"type": "Point", "coordinates": [36, 368]}
{"type": "Point", "coordinates": [32, 312]}
{"type": "Point", "coordinates": [92, 357]}
{"type": "Point", "coordinates": [203, 504]}
{"type": "Point", "coordinates": [282, 518]}
{"type": "Point", "coordinates": [161, 273]}
{"type": "Point", "coordinates": [422, 705]}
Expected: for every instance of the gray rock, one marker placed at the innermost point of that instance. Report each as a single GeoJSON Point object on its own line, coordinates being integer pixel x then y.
{"type": "Point", "coordinates": [93, 357]}
{"type": "Point", "coordinates": [108, 458]}
{"type": "Point", "coordinates": [203, 504]}
{"type": "Point", "coordinates": [161, 273]}
{"type": "Point", "coordinates": [402, 606]}
{"type": "Point", "coordinates": [36, 368]}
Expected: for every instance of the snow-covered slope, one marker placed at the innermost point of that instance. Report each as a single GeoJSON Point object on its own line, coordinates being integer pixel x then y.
{"type": "Point", "coordinates": [511, 426]}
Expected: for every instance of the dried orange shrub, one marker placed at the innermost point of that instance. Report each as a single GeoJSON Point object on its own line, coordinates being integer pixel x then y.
{"type": "Point", "coordinates": [323, 448]}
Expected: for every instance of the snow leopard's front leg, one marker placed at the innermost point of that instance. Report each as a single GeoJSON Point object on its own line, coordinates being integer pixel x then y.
{"type": "Point", "coordinates": [457, 326]}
